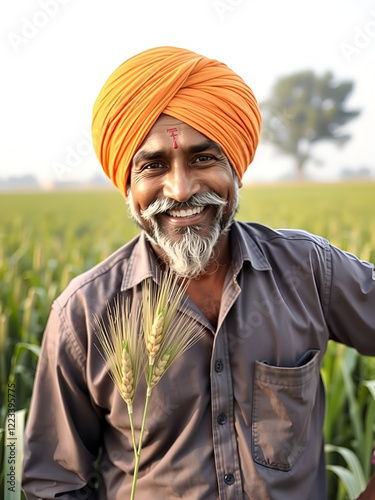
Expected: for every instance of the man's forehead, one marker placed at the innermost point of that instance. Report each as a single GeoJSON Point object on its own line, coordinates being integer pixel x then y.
{"type": "Point", "coordinates": [168, 129]}
{"type": "Point", "coordinates": [165, 122]}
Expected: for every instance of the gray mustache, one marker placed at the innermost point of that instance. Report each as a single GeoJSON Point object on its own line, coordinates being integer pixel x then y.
{"type": "Point", "coordinates": [162, 205]}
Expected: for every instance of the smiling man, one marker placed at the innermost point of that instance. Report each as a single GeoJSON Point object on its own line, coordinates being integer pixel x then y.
{"type": "Point", "coordinates": [184, 193]}
{"type": "Point", "coordinates": [240, 414]}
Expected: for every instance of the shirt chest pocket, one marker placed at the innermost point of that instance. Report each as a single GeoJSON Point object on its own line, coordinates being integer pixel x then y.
{"type": "Point", "coordinates": [283, 400]}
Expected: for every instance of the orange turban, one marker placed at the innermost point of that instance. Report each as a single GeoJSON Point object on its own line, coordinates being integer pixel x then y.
{"type": "Point", "coordinates": [202, 92]}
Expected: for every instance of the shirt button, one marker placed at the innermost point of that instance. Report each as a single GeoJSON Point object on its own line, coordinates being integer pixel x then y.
{"type": "Point", "coordinates": [219, 366]}
{"type": "Point", "coordinates": [229, 479]}
{"type": "Point", "coordinates": [222, 419]}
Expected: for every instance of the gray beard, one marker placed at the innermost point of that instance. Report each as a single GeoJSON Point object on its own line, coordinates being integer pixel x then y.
{"type": "Point", "coordinates": [190, 253]}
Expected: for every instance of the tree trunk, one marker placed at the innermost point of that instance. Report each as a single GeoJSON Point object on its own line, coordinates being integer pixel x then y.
{"type": "Point", "coordinates": [300, 177]}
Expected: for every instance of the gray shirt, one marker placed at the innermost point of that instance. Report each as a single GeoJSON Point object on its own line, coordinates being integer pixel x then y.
{"type": "Point", "coordinates": [239, 415]}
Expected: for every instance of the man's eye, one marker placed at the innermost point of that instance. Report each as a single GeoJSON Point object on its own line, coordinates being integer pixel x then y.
{"type": "Point", "coordinates": [203, 158]}
{"type": "Point", "coordinates": [151, 166]}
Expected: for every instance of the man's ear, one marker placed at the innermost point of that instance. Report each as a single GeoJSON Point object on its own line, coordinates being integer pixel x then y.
{"type": "Point", "coordinates": [127, 197]}
{"type": "Point", "coordinates": [236, 179]}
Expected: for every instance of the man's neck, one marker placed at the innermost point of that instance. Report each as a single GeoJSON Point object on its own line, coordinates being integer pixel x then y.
{"type": "Point", "coordinates": [206, 289]}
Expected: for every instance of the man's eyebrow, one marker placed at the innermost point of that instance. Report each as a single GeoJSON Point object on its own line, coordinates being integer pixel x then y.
{"type": "Point", "coordinates": [146, 155]}
{"type": "Point", "coordinates": [203, 146]}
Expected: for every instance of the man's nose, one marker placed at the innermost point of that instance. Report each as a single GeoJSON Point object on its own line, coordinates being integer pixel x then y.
{"type": "Point", "coordinates": [181, 183]}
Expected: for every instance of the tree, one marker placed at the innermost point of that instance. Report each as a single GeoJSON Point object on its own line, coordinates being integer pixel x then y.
{"type": "Point", "coordinates": [304, 109]}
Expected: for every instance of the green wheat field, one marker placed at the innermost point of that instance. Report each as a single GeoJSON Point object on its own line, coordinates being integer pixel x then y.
{"type": "Point", "coordinates": [48, 238]}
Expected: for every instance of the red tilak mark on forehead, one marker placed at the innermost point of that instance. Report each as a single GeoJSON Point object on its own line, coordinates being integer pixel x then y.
{"type": "Point", "coordinates": [173, 133]}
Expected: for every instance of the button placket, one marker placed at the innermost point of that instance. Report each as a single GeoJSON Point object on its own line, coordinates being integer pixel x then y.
{"type": "Point", "coordinates": [225, 445]}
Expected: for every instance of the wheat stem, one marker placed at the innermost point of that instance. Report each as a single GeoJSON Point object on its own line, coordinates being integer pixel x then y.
{"type": "Point", "coordinates": [138, 452]}
{"type": "Point", "coordinates": [130, 411]}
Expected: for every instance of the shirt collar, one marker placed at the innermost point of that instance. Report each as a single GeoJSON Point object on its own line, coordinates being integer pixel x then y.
{"type": "Point", "coordinates": [245, 248]}
{"type": "Point", "coordinates": [143, 264]}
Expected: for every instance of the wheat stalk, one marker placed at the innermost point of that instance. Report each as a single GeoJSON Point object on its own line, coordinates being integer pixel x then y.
{"type": "Point", "coordinates": [168, 331]}
{"type": "Point", "coordinates": [118, 336]}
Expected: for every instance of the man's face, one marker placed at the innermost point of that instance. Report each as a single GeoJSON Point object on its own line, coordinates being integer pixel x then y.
{"type": "Point", "coordinates": [182, 193]}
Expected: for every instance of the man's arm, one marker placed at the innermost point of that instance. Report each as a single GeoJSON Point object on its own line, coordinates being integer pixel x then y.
{"type": "Point", "coordinates": [351, 302]}
{"type": "Point", "coordinates": [351, 312]}
{"type": "Point", "coordinates": [62, 432]}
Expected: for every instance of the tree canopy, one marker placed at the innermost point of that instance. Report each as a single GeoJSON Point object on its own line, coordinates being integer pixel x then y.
{"type": "Point", "coordinates": [305, 108]}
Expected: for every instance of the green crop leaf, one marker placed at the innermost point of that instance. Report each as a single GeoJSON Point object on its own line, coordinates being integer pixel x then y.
{"type": "Point", "coordinates": [352, 477]}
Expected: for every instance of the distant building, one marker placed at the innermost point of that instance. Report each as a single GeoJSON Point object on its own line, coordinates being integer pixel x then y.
{"type": "Point", "coordinates": [19, 183]}
{"type": "Point", "coordinates": [358, 173]}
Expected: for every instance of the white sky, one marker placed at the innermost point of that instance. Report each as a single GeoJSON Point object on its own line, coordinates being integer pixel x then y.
{"type": "Point", "coordinates": [56, 55]}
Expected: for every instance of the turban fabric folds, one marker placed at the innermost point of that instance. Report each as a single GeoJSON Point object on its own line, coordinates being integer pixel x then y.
{"type": "Point", "coordinates": [202, 92]}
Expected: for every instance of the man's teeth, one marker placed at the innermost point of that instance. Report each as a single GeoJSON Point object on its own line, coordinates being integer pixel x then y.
{"type": "Point", "coordinates": [185, 213]}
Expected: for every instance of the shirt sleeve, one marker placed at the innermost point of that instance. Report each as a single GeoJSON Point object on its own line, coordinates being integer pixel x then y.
{"type": "Point", "coordinates": [351, 301]}
{"type": "Point", "coordinates": [63, 429]}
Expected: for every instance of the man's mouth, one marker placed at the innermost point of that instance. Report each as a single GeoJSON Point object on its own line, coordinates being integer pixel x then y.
{"type": "Point", "coordinates": [185, 212]}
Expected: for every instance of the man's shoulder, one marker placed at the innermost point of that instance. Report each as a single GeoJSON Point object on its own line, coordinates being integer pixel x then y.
{"type": "Point", "coordinates": [106, 274]}
{"type": "Point", "coordinates": [265, 234]}
{"type": "Point", "coordinates": [287, 253]}
{"type": "Point", "coordinates": [268, 248]}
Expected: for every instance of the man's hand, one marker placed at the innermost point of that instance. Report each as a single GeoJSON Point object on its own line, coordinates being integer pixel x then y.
{"type": "Point", "coordinates": [369, 493]}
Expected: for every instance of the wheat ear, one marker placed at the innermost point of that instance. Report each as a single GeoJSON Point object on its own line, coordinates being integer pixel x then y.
{"type": "Point", "coordinates": [160, 367]}
{"type": "Point", "coordinates": [155, 337]}
{"type": "Point", "coordinates": [127, 379]}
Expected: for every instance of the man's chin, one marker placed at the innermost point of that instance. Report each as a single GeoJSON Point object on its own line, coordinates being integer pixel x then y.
{"type": "Point", "coordinates": [188, 255]}
{"type": "Point", "coordinates": [188, 250]}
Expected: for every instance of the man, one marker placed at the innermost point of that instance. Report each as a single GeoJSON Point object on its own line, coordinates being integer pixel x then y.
{"type": "Point", "coordinates": [240, 414]}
